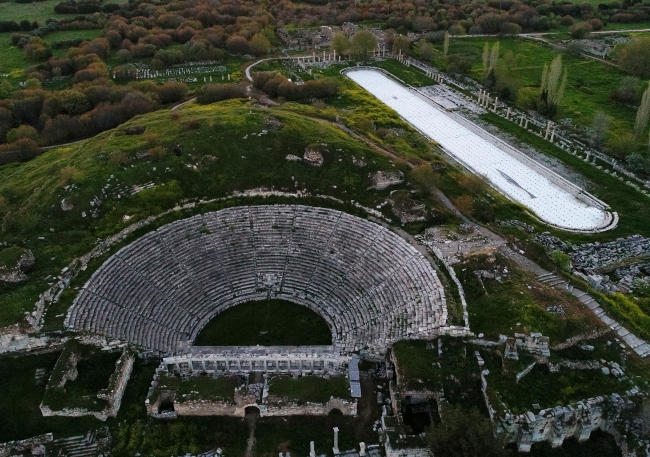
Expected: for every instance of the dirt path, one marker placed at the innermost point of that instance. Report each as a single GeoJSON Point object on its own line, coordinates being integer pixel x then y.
{"type": "Point", "coordinates": [251, 421]}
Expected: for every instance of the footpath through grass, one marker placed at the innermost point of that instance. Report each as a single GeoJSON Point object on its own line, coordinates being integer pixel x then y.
{"type": "Point", "coordinates": [267, 323]}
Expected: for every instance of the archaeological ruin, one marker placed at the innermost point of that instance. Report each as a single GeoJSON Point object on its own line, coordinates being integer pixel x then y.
{"type": "Point", "coordinates": [370, 285]}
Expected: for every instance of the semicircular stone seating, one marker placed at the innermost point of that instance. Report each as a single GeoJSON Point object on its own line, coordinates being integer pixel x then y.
{"type": "Point", "coordinates": [370, 285]}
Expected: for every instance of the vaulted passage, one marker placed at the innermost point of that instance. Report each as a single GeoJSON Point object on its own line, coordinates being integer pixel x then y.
{"type": "Point", "coordinates": [367, 283]}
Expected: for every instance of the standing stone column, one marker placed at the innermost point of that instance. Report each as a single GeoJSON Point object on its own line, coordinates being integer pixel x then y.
{"type": "Point", "coordinates": [312, 451]}
{"type": "Point", "coordinates": [508, 114]}
{"type": "Point", "coordinates": [552, 134]}
{"type": "Point", "coordinates": [336, 441]}
{"type": "Point", "coordinates": [362, 449]}
{"type": "Point", "coordinates": [496, 101]}
{"type": "Point", "coordinates": [526, 124]}
{"type": "Point", "coordinates": [480, 95]}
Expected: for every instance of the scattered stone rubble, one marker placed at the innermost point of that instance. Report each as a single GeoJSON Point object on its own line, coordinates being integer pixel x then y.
{"type": "Point", "coordinates": [313, 156]}
{"type": "Point", "coordinates": [35, 445]}
{"type": "Point", "coordinates": [518, 224]}
{"type": "Point", "coordinates": [596, 256]}
{"type": "Point", "coordinates": [408, 210]}
{"type": "Point", "coordinates": [535, 344]}
{"type": "Point", "coordinates": [551, 243]}
{"type": "Point", "coordinates": [17, 272]}
{"type": "Point", "coordinates": [616, 266]}
{"type": "Point", "coordinates": [383, 179]}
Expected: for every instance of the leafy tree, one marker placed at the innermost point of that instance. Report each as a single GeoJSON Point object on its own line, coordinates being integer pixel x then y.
{"type": "Point", "coordinates": [580, 30]}
{"type": "Point", "coordinates": [628, 91]}
{"type": "Point", "coordinates": [446, 44]}
{"type": "Point", "coordinates": [362, 45]}
{"type": "Point", "coordinates": [601, 127]}
{"type": "Point", "coordinates": [259, 44]}
{"type": "Point", "coordinates": [402, 43]}
{"type": "Point", "coordinates": [465, 434]}
{"type": "Point", "coordinates": [22, 132]}
{"type": "Point", "coordinates": [340, 43]}
{"type": "Point", "coordinates": [637, 163]}
{"type": "Point", "coordinates": [642, 114]}
{"type": "Point", "coordinates": [506, 84]}
{"type": "Point", "coordinates": [552, 89]}
{"type": "Point", "coordinates": [426, 52]}
{"type": "Point", "coordinates": [237, 45]}
{"type": "Point", "coordinates": [73, 101]}
{"type": "Point", "coordinates": [635, 57]}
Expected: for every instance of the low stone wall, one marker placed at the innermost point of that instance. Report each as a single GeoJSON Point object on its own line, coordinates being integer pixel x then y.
{"type": "Point", "coordinates": [238, 408]}
{"type": "Point", "coordinates": [112, 394]}
{"type": "Point", "coordinates": [34, 444]}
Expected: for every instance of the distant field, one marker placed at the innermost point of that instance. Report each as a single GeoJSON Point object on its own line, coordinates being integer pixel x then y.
{"type": "Point", "coordinates": [12, 57]}
{"type": "Point", "coordinates": [37, 11]}
{"type": "Point", "coordinates": [64, 35]}
{"type": "Point", "coordinates": [590, 82]}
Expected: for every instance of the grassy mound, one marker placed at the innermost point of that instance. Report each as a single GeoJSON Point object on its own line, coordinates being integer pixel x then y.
{"type": "Point", "coordinates": [309, 388]}
{"type": "Point", "coordinates": [268, 323]}
{"type": "Point", "coordinates": [201, 152]}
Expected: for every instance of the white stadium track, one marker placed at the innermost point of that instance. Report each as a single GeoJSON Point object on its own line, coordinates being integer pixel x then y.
{"type": "Point", "coordinates": [550, 197]}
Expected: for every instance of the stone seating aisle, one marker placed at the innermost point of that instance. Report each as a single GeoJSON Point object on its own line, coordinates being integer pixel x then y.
{"type": "Point", "coordinates": [369, 284]}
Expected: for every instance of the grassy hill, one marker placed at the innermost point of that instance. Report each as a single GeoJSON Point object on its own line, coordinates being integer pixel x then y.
{"type": "Point", "coordinates": [59, 204]}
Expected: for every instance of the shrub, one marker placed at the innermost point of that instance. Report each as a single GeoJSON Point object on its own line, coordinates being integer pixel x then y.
{"type": "Point", "coordinates": [562, 260]}
{"type": "Point", "coordinates": [566, 20]}
{"type": "Point", "coordinates": [580, 30]}
{"type": "Point", "coordinates": [193, 125]}
{"type": "Point", "coordinates": [157, 153]}
{"type": "Point", "coordinates": [118, 158]}
{"type": "Point", "coordinates": [633, 162]}
{"type": "Point", "coordinates": [464, 204]}
{"type": "Point", "coordinates": [21, 151]}
{"type": "Point", "coordinates": [472, 183]}
{"type": "Point", "coordinates": [635, 57]}
{"type": "Point", "coordinates": [22, 132]}
{"type": "Point", "coordinates": [172, 92]}
{"type": "Point", "coordinates": [364, 124]}
{"type": "Point", "coordinates": [123, 55]}
{"type": "Point", "coordinates": [509, 28]}
{"type": "Point", "coordinates": [217, 92]}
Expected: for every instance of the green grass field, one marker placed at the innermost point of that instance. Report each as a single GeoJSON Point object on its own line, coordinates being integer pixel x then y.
{"type": "Point", "coordinates": [21, 397]}
{"type": "Point", "coordinates": [589, 82]}
{"type": "Point", "coordinates": [35, 11]}
{"type": "Point", "coordinates": [268, 323]}
{"type": "Point", "coordinates": [312, 389]}
{"type": "Point", "coordinates": [508, 305]}
{"type": "Point", "coordinates": [13, 60]}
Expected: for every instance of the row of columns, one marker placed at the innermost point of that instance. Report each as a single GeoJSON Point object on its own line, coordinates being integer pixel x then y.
{"type": "Point", "coordinates": [484, 101]}
{"type": "Point", "coordinates": [223, 77]}
{"type": "Point", "coordinates": [264, 365]}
